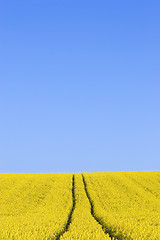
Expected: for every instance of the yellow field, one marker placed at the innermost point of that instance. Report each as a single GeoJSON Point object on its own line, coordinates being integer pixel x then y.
{"type": "Point", "coordinates": [34, 206]}
{"type": "Point", "coordinates": [80, 206]}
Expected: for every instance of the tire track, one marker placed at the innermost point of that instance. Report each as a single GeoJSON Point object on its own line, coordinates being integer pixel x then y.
{"type": "Point", "coordinates": [106, 231]}
{"type": "Point", "coordinates": [71, 212]}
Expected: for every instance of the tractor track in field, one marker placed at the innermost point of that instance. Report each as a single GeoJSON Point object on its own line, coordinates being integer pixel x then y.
{"type": "Point", "coordinates": [106, 231]}
{"type": "Point", "coordinates": [71, 212]}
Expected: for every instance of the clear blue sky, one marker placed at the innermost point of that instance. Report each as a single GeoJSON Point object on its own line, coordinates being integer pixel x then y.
{"type": "Point", "coordinates": [79, 86]}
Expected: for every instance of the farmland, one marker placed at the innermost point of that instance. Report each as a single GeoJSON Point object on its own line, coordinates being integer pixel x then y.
{"type": "Point", "coordinates": [80, 206]}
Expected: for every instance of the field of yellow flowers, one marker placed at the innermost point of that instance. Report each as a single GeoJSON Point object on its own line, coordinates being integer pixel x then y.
{"type": "Point", "coordinates": [66, 206]}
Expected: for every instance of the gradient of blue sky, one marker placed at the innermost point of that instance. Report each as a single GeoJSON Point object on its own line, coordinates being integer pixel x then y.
{"type": "Point", "coordinates": [79, 86]}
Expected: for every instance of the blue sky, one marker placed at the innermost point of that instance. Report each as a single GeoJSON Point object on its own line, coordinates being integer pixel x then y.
{"type": "Point", "coordinates": [79, 86]}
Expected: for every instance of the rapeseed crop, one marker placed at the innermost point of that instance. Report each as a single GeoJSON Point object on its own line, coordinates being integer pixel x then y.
{"type": "Point", "coordinates": [83, 224]}
{"type": "Point", "coordinates": [95, 206]}
{"type": "Point", "coordinates": [34, 206]}
{"type": "Point", "coordinates": [126, 204]}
